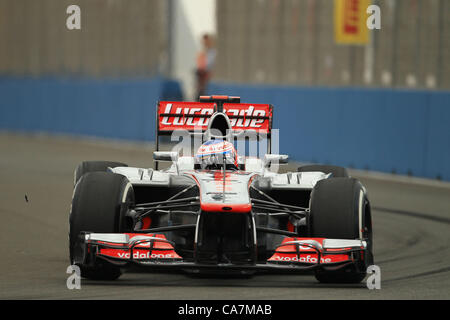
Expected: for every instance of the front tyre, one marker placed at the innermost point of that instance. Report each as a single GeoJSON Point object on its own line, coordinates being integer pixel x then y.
{"type": "Point", "coordinates": [94, 166]}
{"type": "Point", "coordinates": [99, 204]}
{"type": "Point", "coordinates": [340, 209]}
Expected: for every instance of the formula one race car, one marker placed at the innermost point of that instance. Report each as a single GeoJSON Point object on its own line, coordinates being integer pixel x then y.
{"type": "Point", "coordinates": [218, 212]}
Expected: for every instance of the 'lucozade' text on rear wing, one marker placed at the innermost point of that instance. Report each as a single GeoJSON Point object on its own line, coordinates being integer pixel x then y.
{"type": "Point", "coordinates": [195, 116]}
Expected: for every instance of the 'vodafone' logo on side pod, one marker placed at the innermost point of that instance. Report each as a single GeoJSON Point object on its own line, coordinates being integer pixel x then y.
{"type": "Point", "coordinates": [305, 259]}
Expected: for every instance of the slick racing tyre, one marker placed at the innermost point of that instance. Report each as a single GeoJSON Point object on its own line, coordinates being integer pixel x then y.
{"type": "Point", "coordinates": [99, 204]}
{"type": "Point", "coordinates": [339, 206]}
{"type": "Point", "coordinates": [94, 166]}
{"type": "Point", "coordinates": [337, 172]}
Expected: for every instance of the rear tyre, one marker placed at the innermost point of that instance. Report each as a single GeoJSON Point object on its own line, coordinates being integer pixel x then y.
{"type": "Point", "coordinates": [94, 166]}
{"type": "Point", "coordinates": [339, 207]}
{"type": "Point", "coordinates": [99, 204]}
{"type": "Point", "coordinates": [337, 172]}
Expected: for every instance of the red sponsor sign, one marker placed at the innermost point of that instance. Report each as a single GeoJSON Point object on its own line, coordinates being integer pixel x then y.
{"type": "Point", "coordinates": [350, 21]}
{"type": "Point", "coordinates": [351, 16]}
{"type": "Point", "coordinates": [196, 115]}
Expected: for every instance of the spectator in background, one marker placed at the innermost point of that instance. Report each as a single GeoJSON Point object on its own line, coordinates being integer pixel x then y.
{"type": "Point", "coordinates": [205, 63]}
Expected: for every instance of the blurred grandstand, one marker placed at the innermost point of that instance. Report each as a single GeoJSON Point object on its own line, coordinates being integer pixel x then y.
{"type": "Point", "coordinates": [262, 41]}
{"type": "Point", "coordinates": [383, 104]}
{"type": "Point", "coordinates": [292, 42]}
{"type": "Point", "coordinates": [116, 39]}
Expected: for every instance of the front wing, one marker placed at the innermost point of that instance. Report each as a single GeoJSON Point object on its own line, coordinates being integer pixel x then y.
{"type": "Point", "coordinates": [155, 252]}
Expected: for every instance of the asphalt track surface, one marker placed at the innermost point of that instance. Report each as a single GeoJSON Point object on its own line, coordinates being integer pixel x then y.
{"type": "Point", "coordinates": [411, 220]}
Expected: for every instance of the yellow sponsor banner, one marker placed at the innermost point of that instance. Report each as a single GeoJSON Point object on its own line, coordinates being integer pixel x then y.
{"type": "Point", "coordinates": [350, 21]}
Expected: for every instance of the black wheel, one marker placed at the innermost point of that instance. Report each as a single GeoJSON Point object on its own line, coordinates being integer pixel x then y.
{"type": "Point", "coordinates": [97, 206]}
{"type": "Point", "coordinates": [340, 209]}
{"type": "Point", "coordinates": [337, 172]}
{"type": "Point", "coordinates": [94, 166]}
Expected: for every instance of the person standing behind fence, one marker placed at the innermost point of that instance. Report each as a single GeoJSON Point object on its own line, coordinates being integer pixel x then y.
{"type": "Point", "coordinates": [205, 63]}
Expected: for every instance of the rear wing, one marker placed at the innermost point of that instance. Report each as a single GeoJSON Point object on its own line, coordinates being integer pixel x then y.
{"type": "Point", "coordinates": [194, 116]}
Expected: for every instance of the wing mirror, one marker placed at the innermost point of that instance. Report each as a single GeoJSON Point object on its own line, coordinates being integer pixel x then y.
{"type": "Point", "coordinates": [276, 159]}
{"type": "Point", "coordinates": [165, 156]}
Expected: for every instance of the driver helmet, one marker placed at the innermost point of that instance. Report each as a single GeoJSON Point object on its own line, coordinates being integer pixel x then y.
{"type": "Point", "coordinates": [212, 154]}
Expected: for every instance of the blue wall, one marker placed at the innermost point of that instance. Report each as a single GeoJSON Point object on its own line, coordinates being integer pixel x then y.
{"type": "Point", "coordinates": [122, 109]}
{"type": "Point", "coordinates": [384, 130]}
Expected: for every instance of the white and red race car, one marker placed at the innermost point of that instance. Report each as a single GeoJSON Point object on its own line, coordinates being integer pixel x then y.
{"type": "Point", "coordinates": [239, 219]}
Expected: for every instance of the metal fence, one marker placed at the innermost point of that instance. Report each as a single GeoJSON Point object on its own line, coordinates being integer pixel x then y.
{"type": "Point", "coordinates": [118, 38]}
{"type": "Point", "coordinates": [292, 42]}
